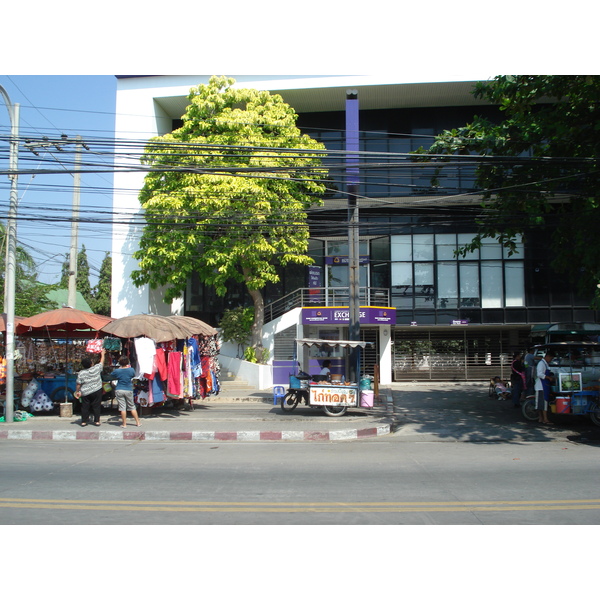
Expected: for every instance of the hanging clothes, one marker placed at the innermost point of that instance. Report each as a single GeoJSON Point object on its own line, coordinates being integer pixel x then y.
{"type": "Point", "coordinates": [161, 363]}
{"type": "Point", "coordinates": [174, 374]}
{"type": "Point", "coordinates": [145, 349]}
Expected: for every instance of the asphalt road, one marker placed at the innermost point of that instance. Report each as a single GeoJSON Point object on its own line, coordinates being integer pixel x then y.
{"type": "Point", "coordinates": [367, 482]}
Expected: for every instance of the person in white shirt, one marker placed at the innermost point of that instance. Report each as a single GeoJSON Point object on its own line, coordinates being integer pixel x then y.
{"type": "Point", "coordinates": [543, 384]}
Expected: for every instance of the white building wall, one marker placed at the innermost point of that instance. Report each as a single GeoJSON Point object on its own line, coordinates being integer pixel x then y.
{"type": "Point", "coordinates": [138, 119]}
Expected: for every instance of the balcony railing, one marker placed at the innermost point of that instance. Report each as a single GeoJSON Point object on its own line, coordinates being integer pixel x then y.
{"type": "Point", "coordinates": [338, 296]}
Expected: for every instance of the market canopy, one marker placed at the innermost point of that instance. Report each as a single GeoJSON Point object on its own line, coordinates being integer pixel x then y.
{"type": "Point", "coordinates": [157, 327]}
{"type": "Point", "coordinates": [3, 321]}
{"type": "Point", "coordinates": [338, 343]}
{"type": "Point", "coordinates": [196, 326]}
{"type": "Point", "coordinates": [61, 321]}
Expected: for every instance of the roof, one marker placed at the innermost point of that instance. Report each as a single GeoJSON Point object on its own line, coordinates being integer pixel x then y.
{"type": "Point", "coordinates": [61, 297]}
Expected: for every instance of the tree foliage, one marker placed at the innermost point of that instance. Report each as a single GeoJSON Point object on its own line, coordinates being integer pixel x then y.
{"type": "Point", "coordinates": [98, 297]}
{"type": "Point", "coordinates": [539, 166]}
{"type": "Point", "coordinates": [101, 294]}
{"type": "Point", "coordinates": [236, 325]}
{"type": "Point", "coordinates": [30, 294]}
{"type": "Point", "coordinates": [227, 194]}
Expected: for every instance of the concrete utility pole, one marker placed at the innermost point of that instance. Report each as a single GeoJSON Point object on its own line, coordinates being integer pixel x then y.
{"type": "Point", "coordinates": [72, 297]}
{"type": "Point", "coordinates": [352, 148]}
{"type": "Point", "coordinates": [11, 258]}
{"type": "Point", "coordinates": [58, 144]}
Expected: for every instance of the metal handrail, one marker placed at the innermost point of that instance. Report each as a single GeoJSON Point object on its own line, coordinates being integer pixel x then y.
{"type": "Point", "coordinates": [336, 296]}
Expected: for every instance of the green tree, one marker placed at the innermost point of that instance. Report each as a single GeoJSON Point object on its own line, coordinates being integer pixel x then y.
{"type": "Point", "coordinates": [236, 326]}
{"type": "Point", "coordinates": [82, 280]}
{"type": "Point", "coordinates": [227, 194]}
{"type": "Point", "coordinates": [30, 294]}
{"type": "Point", "coordinates": [539, 166]}
{"type": "Point", "coordinates": [101, 295]}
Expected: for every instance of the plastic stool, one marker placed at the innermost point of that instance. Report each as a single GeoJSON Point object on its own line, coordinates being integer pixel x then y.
{"type": "Point", "coordinates": [278, 393]}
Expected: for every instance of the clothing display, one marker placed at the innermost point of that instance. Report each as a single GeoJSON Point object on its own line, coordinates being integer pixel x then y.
{"type": "Point", "coordinates": [174, 371]}
{"type": "Point", "coordinates": [166, 372]}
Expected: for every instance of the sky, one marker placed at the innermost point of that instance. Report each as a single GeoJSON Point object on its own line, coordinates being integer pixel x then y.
{"type": "Point", "coordinates": [51, 106]}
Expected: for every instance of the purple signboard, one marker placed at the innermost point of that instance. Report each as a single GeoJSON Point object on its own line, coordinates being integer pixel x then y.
{"type": "Point", "coordinates": [369, 315]}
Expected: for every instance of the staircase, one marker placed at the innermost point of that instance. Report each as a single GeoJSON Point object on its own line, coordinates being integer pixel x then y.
{"type": "Point", "coordinates": [236, 390]}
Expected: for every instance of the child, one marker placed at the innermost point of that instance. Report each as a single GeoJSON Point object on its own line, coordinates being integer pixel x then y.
{"type": "Point", "coordinates": [501, 391]}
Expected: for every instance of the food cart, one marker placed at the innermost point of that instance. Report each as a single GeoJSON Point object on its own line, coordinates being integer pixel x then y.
{"type": "Point", "coordinates": [334, 395]}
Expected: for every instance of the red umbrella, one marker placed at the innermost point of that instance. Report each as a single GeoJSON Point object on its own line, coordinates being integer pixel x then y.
{"type": "Point", "coordinates": [61, 321]}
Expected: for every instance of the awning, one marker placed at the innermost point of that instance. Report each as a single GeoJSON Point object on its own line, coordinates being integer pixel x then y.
{"type": "Point", "coordinates": [337, 343]}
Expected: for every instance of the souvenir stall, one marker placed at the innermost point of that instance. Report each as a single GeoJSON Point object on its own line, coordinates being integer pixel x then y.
{"type": "Point", "coordinates": [48, 352]}
{"type": "Point", "coordinates": [175, 358]}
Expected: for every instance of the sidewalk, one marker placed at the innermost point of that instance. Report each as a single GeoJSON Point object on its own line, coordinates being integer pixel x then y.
{"type": "Point", "coordinates": [216, 418]}
{"type": "Point", "coordinates": [408, 412]}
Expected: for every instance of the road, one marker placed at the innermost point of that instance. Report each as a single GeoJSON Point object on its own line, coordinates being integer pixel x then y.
{"type": "Point", "coordinates": [384, 481]}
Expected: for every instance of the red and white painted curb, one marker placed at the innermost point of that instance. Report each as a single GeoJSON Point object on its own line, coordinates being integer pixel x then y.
{"type": "Point", "coordinates": [196, 436]}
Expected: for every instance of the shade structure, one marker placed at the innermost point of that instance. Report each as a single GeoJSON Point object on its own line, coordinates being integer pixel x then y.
{"type": "Point", "coordinates": [336, 343]}
{"type": "Point", "coordinates": [3, 321]}
{"type": "Point", "coordinates": [62, 322]}
{"type": "Point", "coordinates": [160, 329]}
{"type": "Point", "coordinates": [196, 326]}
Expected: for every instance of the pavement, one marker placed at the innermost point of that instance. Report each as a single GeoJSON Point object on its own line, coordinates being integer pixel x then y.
{"type": "Point", "coordinates": [407, 412]}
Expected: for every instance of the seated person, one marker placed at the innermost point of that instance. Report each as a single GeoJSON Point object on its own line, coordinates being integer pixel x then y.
{"type": "Point", "coordinates": [325, 373]}
{"type": "Point", "coordinates": [326, 370]}
{"type": "Point", "coordinates": [501, 391]}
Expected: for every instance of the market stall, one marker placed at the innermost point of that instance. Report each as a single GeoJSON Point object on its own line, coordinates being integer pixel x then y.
{"type": "Point", "coordinates": [48, 351]}
{"type": "Point", "coordinates": [175, 358]}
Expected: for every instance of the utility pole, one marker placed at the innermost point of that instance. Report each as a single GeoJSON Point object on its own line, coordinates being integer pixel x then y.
{"type": "Point", "coordinates": [11, 258]}
{"type": "Point", "coordinates": [72, 297]}
{"type": "Point", "coordinates": [352, 148]}
{"type": "Point", "coordinates": [58, 145]}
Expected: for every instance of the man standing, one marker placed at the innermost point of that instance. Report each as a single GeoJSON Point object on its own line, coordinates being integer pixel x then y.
{"type": "Point", "coordinates": [543, 385]}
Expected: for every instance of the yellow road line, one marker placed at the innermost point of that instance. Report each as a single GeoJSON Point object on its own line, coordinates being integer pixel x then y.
{"type": "Point", "coordinates": [306, 507]}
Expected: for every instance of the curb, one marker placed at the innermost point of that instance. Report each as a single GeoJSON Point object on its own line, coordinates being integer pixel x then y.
{"type": "Point", "coordinates": [197, 436]}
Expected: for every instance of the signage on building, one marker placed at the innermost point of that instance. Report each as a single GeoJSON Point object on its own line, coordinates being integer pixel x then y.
{"type": "Point", "coordinates": [344, 260]}
{"type": "Point", "coordinates": [369, 315]}
{"type": "Point", "coordinates": [460, 322]}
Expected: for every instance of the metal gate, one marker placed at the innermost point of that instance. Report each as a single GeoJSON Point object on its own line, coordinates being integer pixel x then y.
{"type": "Point", "coordinates": [461, 355]}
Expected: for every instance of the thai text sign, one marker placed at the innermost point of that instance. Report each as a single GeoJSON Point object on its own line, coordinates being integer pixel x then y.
{"type": "Point", "coordinates": [369, 315]}
{"type": "Point", "coordinates": [332, 395]}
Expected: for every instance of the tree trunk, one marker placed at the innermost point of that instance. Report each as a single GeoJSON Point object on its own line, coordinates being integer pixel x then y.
{"type": "Point", "coordinates": [259, 318]}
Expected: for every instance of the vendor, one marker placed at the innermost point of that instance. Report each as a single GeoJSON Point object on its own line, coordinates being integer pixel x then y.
{"type": "Point", "coordinates": [326, 371]}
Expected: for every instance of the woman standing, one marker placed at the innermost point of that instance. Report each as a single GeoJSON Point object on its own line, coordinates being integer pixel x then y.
{"type": "Point", "coordinates": [89, 388]}
{"type": "Point", "coordinates": [124, 390]}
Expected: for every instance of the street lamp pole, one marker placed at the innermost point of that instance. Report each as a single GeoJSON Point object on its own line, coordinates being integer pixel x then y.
{"type": "Point", "coordinates": [11, 260]}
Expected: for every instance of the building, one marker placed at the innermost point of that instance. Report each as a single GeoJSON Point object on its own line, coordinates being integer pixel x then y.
{"type": "Point", "coordinates": [427, 313]}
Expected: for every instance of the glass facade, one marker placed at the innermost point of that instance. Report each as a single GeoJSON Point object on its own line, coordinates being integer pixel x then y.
{"type": "Point", "coordinates": [412, 249]}
{"type": "Point", "coordinates": [427, 272]}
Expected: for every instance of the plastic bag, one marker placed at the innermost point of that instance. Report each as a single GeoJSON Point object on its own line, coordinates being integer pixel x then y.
{"type": "Point", "coordinates": [94, 346]}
